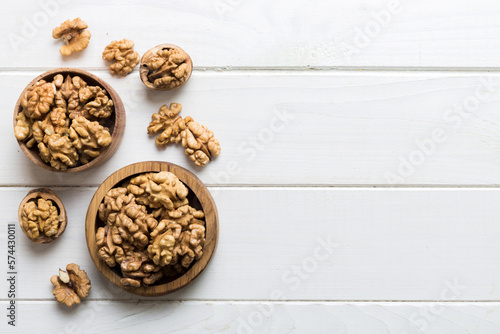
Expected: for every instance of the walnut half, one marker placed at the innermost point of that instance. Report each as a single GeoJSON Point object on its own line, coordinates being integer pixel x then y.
{"type": "Point", "coordinates": [73, 33]}
{"type": "Point", "coordinates": [71, 286]}
{"type": "Point", "coordinates": [124, 55]}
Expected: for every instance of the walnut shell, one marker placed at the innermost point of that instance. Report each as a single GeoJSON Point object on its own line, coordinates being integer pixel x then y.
{"type": "Point", "coordinates": [165, 73]}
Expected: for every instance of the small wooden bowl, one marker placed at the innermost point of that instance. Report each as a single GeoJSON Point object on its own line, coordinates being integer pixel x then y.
{"type": "Point", "coordinates": [116, 125]}
{"type": "Point", "coordinates": [144, 71]}
{"type": "Point", "coordinates": [46, 194]}
{"type": "Point", "coordinates": [199, 197]}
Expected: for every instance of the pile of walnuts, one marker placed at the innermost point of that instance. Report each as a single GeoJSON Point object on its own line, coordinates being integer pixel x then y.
{"type": "Point", "coordinates": [150, 230]}
{"type": "Point", "coordinates": [198, 141]}
{"type": "Point", "coordinates": [64, 119]}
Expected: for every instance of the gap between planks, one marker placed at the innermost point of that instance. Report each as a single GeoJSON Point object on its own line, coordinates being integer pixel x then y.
{"type": "Point", "coordinates": [292, 186]}
{"type": "Point", "coordinates": [457, 70]}
{"type": "Point", "coordinates": [257, 301]}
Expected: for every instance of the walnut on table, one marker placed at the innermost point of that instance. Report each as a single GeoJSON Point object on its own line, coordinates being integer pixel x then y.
{"type": "Point", "coordinates": [73, 33]}
{"type": "Point", "coordinates": [122, 52]}
{"type": "Point", "coordinates": [71, 286]}
{"type": "Point", "coordinates": [133, 239]}
{"type": "Point", "coordinates": [198, 141]}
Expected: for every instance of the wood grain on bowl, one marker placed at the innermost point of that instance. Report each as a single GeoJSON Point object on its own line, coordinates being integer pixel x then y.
{"type": "Point", "coordinates": [203, 197]}
{"type": "Point", "coordinates": [116, 125]}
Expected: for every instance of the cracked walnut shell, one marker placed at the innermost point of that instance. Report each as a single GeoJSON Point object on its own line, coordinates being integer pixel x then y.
{"type": "Point", "coordinates": [124, 55]}
{"type": "Point", "coordinates": [42, 216]}
{"type": "Point", "coordinates": [71, 286]}
{"type": "Point", "coordinates": [73, 33]}
{"type": "Point", "coordinates": [165, 67]}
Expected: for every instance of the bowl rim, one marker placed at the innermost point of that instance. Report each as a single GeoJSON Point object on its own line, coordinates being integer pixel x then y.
{"type": "Point", "coordinates": [116, 136]}
{"type": "Point", "coordinates": [211, 223]}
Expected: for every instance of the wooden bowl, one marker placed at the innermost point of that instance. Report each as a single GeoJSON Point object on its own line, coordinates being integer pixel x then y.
{"type": "Point", "coordinates": [199, 197]}
{"type": "Point", "coordinates": [144, 71]}
{"type": "Point", "coordinates": [116, 125]}
{"type": "Point", "coordinates": [46, 194]}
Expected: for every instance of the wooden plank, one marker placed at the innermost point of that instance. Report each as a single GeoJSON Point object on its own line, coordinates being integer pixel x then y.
{"type": "Point", "coordinates": [297, 128]}
{"type": "Point", "coordinates": [249, 34]}
{"type": "Point", "coordinates": [308, 244]}
{"type": "Point", "coordinates": [255, 317]}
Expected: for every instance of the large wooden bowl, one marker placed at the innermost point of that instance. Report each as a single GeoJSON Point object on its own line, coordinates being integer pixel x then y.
{"type": "Point", "coordinates": [199, 197]}
{"type": "Point", "coordinates": [116, 122]}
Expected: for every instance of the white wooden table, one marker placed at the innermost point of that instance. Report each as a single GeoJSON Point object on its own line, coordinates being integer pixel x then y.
{"type": "Point", "coordinates": [357, 186]}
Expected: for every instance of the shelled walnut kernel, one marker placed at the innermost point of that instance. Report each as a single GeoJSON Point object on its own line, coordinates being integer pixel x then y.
{"type": "Point", "coordinates": [40, 217]}
{"type": "Point", "coordinates": [73, 33]}
{"type": "Point", "coordinates": [198, 141]}
{"type": "Point", "coordinates": [65, 119]}
{"type": "Point", "coordinates": [124, 54]}
{"type": "Point", "coordinates": [71, 286]}
{"type": "Point", "coordinates": [150, 231]}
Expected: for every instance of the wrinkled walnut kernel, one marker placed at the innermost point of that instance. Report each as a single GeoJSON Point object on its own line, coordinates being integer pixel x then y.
{"type": "Point", "coordinates": [71, 285]}
{"type": "Point", "coordinates": [40, 217]}
{"type": "Point", "coordinates": [124, 54]}
{"type": "Point", "coordinates": [132, 239]}
{"type": "Point", "coordinates": [73, 33]}
{"type": "Point", "coordinates": [198, 141]}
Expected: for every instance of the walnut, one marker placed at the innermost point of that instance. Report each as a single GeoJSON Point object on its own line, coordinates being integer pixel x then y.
{"type": "Point", "coordinates": [38, 99]}
{"type": "Point", "coordinates": [136, 265]}
{"type": "Point", "coordinates": [124, 54]}
{"type": "Point", "coordinates": [169, 122]}
{"type": "Point", "coordinates": [185, 216]}
{"type": "Point", "coordinates": [71, 285]}
{"type": "Point", "coordinates": [199, 143]}
{"type": "Point", "coordinates": [22, 130]}
{"type": "Point", "coordinates": [161, 189]}
{"type": "Point", "coordinates": [97, 101]}
{"type": "Point", "coordinates": [58, 151]}
{"type": "Point", "coordinates": [55, 122]}
{"type": "Point", "coordinates": [190, 245]}
{"type": "Point", "coordinates": [167, 68]}
{"type": "Point", "coordinates": [88, 138]}
{"type": "Point", "coordinates": [187, 228]}
{"type": "Point", "coordinates": [162, 247]}
{"type": "Point", "coordinates": [73, 33]}
{"type": "Point", "coordinates": [40, 217]}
